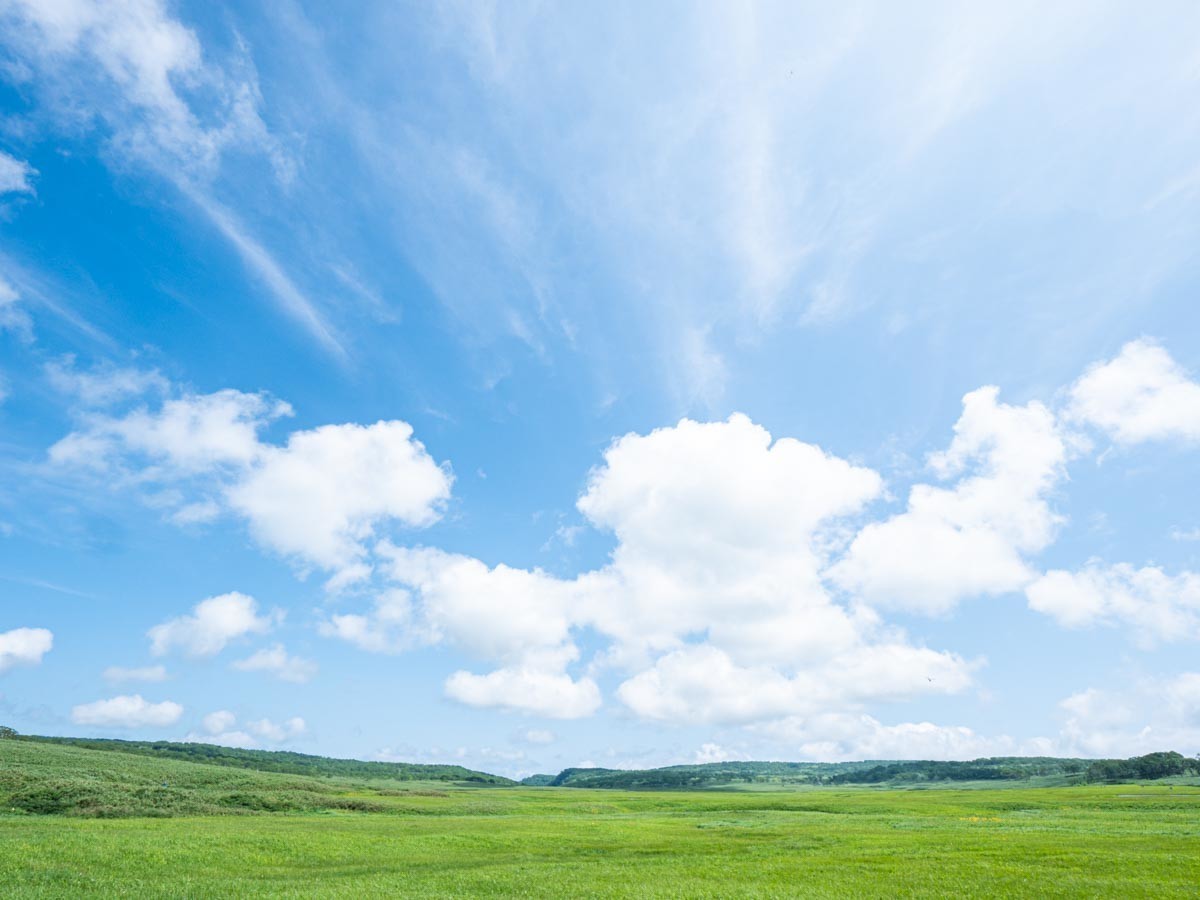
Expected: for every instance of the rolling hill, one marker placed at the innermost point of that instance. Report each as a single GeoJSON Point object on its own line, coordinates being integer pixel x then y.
{"type": "Point", "coordinates": [283, 761]}
{"type": "Point", "coordinates": [44, 777]}
{"type": "Point", "coordinates": [1045, 770]}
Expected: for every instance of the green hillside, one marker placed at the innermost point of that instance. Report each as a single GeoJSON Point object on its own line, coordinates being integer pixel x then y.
{"type": "Point", "coordinates": [55, 777]}
{"type": "Point", "coordinates": [1044, 770]}
{"type": "Point", "coordinates": [277, 760]}
{"type": "Point", "coordinates": [704, 775]}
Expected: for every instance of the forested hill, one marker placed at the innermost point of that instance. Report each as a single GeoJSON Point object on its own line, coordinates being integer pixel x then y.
{"type": "Point", "coordinates": [880, 772]}
{"type": "Point", "coordinates": [703, 775]}
{"type": "Point", "coordinates": [278, 760]}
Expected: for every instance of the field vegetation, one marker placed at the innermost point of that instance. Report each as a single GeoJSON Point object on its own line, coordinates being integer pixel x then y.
{"type": "Point", "coordinates": [276, 760]}
{"type": "Point", "coordinates": [76, 821]}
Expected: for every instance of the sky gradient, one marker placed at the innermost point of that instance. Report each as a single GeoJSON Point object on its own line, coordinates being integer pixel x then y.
{"type": "Point", "coordinates": [530, 387]}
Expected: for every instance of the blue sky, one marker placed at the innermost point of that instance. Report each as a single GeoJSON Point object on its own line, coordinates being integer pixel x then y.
{"type": "Point", "coordinates": [531, 387]}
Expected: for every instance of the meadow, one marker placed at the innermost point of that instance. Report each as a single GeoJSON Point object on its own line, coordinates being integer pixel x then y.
{"type": "Point", "coordinates": [138, 826]}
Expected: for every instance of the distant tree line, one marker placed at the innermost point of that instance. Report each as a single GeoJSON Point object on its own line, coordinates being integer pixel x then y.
{"type": "Point", "coordinates": [1152, 765]}
{"type": "Point", "coordinates": [998, 768]}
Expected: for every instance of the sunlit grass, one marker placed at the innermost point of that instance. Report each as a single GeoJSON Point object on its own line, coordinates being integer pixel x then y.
{"type": "Point", "coordinates": [1115, 841]}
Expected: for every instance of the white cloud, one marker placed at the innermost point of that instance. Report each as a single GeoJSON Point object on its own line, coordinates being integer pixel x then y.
{"type": "Point", "coordinates": [103, 384]}
{"type": "Point", "coordinates": [12, 317]}
{"type": "Point", "coordinates": [190, 434]}
{"type": "Point", "coordinates": [834, 736]}
{"type": "Point", "coordinates": [256, 257]}
{"type": "Point", "coordinates": [699, 165]}
{"type": "Point", "coordinates": [143, 77]}
{"type": "Point", "coordinates": [718, 528]}
{"type": "Point", "coordinates": [240, 739]}
{"type": "Point", "coordinates": [319, 497]}
{"type": "Point", "coordinates": [703, 684]}
{"type": "Point", "coordinates": [721, 532]}
{"type": "Point", "coordinates": [715, 753]}
{"type": "Point", "coordinates": [1153, 606]}
{"type": "Point", "coordinates": [220, 727]}
{"type": "Point", "coordinates": [214, 622]}
{"type": "Point", "coordinates": [530, 690]}
{"type": "Point", "coordinates": [15, 175]}
{"type": "Point", "coordinates": [221, 720]}
{"type": "Point", "coordinates": [24, 647]}
{"type": "Point", "coordinates": [972, 538]}
{"type": "Point", "coordinates": [388, 628]}
{"type": "Point", "coordinates": [278, 733]}
{"type": "Point", "coordinates": [538, 736]}
{"type": "Point", "coordinates": [1140, 395]}
{"type": "Point", "coordinates": [126, 712]}
{"type": "Point", "coordinates": [1145, 716]}
{"type": "Point", "coordinates": [278, 662]}
{"type": "Point", "coordinates": [499, 613]}
{"type": "Point", "coordinates": [149, 57]}
{"type": "Point", "coordinates": [120, 674]}
{"type": "Point", "coordinates": [199, 512]}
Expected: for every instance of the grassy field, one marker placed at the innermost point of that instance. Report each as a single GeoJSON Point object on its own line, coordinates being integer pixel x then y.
{"type": "Point", "coordinates": [346, 838]}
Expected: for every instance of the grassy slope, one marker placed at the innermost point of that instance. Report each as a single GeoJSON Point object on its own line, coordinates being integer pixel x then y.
{"type": "Point", "coordinates": [44, 778]}
{"type": "Point", "coordinates": [1110, 841]}
{"type": "Point", "coordinates": [277, 760]}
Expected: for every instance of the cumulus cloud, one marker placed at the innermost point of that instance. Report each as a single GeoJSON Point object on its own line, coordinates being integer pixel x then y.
{"type": "Point", "coordinates": [844, 736]}
{"type": "Point", "coordinates": [1140, 395]}
{"type": "Point", "coordinates": [278, 732]}
{"type": "Point", "coordinates": [127, 711]}
{"type": "Point", "coordinates": [16, 175]}
{"type": "Point", "coordinates": [715, 604]}
{"type": "Point", "coordinates": [715, 753]}
{"type": "Point", "coordinates": [497, 613]}
{"type": "Point", "coordinates": [276, 661]}
{"type": "Point", "coordinates": [532, 690]}
{"type": "Point", "coordinates": [703, 684]}
{"type": "Point", "coordinates": [221, 720]}
{"type": "Point", "coordinates": [1153, 606]}
{"type": "Point", "coordinates": [721, 531]}
{"type": "Point", "coordinates": [388, 628]}
{"type": "Point", "coordinates": [711, 604]}
{"type": "Point", "coordinates": [319, 499]}
{"type": "Point", "coordinates": [213, 623]}
{"type": "Point", "coordinates": [220, 727]}
{"type": "Point", "coordinates": [972, 538]}
{"type": "Point", "coordinates": [24, 647]}
{"type": "Point", "coordinates": [188, 435]}
{"type": "Point", "coordinates": [120, 674]}
{"type": "Point", "coordinates": [1146, 715]}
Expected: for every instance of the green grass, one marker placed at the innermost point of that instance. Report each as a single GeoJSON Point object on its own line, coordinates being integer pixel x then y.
{"type": "Point", "coordinates": [37, 778]}
{"type": "Point", "coordinates": [1097, 841]}
{"type": "Point", "coordinates": [277, 760]}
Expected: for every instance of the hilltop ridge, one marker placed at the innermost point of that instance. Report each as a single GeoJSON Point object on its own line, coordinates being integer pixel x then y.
{"type": "Point", "coordinates": [1047, 770]}
{"type": "Point", "coordinates": [280, 761]}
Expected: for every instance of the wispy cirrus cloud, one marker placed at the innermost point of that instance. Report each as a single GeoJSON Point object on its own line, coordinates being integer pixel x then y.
{"type": "Point", "coordinates": [165, 105]}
